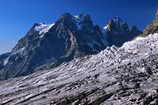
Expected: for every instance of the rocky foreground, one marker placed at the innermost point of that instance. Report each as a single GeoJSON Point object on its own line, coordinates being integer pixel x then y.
{"type": "Point", "coordinates": [116, 76]}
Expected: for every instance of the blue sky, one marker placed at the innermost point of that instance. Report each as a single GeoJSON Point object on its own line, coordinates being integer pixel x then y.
{"type": "Point", "coordinates": [17, 16]}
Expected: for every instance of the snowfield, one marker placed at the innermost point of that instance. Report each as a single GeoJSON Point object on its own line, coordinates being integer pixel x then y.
{"type": "Point", "coordinates": [116, 76]}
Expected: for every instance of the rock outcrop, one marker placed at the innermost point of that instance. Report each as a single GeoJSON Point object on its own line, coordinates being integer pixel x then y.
{"type": "Point", "coordinates": [152, 28]}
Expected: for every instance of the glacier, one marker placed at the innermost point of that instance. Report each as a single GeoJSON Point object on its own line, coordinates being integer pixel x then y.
{"type": "Point", "coordinates": [116, 76]}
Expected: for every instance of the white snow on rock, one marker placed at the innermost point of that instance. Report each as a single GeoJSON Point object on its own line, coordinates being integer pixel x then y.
{"type": "Point", "coordinates": [46, 29]}
{"type": "Point", "coordinates": [105, 27]}
{"type": "Point", "coordinates": [20, 51]}
{"type": "Point", "coordinates": [5, 62]}
{"type": "Point", "coordinates": [83, 75]}
{"type": "Point", "coordinates": [43, 28]}
{"type": "Point", "coordinates": [78, 22]}
{"type": "Point", "coordinates": [142, 44]}
{"type": "Point", "coordinates": [77, 17]}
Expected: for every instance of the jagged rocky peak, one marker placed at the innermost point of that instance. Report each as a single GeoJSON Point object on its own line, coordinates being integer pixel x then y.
{"type": "Point", "coordinates": [82, 17]}
{"type": "Point", "coordinates": [85, 22]}
{"type": "Point", "coordinates": [80, 22]}
{"type": "Point", "coordinates": [41, 28]}
{"type": "Point", "coordinates": [118, 24]}
{"type": "Point", "coordinates": [153, 27]}
{"type": "Point", "coordinates": [116, 20]}
{"type": "Point", "coordinates": [85, 18]}
{"type": "Point", "coordinates": [69, 17]}
{"type": "Point", "coordinates": [36, 28]}
{"type": "Point", "coordinates": [47, 44]}
{"type": "Point", "coordinates": [66, 19]}
{"type": "Point", "coordinates": [118, 31]}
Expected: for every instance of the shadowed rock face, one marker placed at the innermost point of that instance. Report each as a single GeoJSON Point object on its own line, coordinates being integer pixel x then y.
{"type": "Point", "coordinates": [2, 59]}
{"type": "Point", "coordinates": [119, 32]}
{"type": "Point", "coordinates": [47, 46]}
{"type": "Point", "coordinates": [116, 76]}
{"type": "Point", "coordinates": [69, 37]}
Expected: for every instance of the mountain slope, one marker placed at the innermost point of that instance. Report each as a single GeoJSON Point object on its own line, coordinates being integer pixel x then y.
{"type": "Point", "coordinates": [47, 46]}
{"type": "Point", "coordinates": [152, 28]}
{"type": "Point", "coordinates": [69, 37]}
{"type": "Point", "coordinates": [119, 76]}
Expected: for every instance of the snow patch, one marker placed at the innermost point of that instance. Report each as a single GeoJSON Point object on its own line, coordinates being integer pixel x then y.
{"type": "Point", "coordinates": [77, 17]}
{"type": "Point", "coordinates": [106, 27]}
{"type": "Point", "coordinates": [46, 29]}
{"type": "Point", "coordinates": [43, 28]}
{"type": "Point", "coordinates": [40, 27]}
{"type": "Point", "coordinates": [19, 51]}
{"type": "Point", "coordinates": [78, 22]}
{"type": "Point", "coordinates": [6, 61]}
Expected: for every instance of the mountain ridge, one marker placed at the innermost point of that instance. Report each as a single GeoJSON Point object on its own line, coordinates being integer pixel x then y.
{"type": "Point", "coordinates": [126, 75]}
{"type": "Point", "coordinates": [152, 28]}
{"type": "Point", "coordinates": [69, 37]}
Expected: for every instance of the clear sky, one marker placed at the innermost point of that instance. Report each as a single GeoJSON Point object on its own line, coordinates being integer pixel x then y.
{"type": "Point", "coordinates": [17, 16]}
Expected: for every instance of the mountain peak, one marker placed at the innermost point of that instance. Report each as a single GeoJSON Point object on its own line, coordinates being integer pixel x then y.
{"type": "Point", "coordinates": [118, 23]}
{"type": "Point", "coordinates": [81, 17]}
{"type": "Point", "coordinates": [85, 17]}
{"type": "Point", "coordinates": [66, 16]}
{"type": "Point", "coordinates": [118, 31]}
{"type": "Point", "coordinates": [49, 45]}
{"type": "Point", "coordinates": [117, 19]}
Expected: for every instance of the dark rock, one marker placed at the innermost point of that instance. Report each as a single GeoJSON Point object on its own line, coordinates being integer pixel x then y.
{"type": "Point", "coordinates": [119, 32]}
{"type": "Point", "coordinates": [48, 46]}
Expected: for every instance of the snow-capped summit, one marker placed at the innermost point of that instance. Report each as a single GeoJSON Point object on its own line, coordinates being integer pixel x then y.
{"type": "Point", "coordinates": [39, 27]}
{"type": "Point", "coordinates": [43, 28]}
{"type": "Point", "coordinates": [49, 45]}
{"type": "Point", "coordinates": [52, 44]}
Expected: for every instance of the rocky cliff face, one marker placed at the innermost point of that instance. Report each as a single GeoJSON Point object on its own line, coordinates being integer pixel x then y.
{"type": "Point", "coordinates": [47, 46]}
{"type": "Point", "coordinates": [152, 28]}
{"type": "Point", "coordinates": [118, 32]}
{"type": "Point", "coordinates": [69, 37]}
